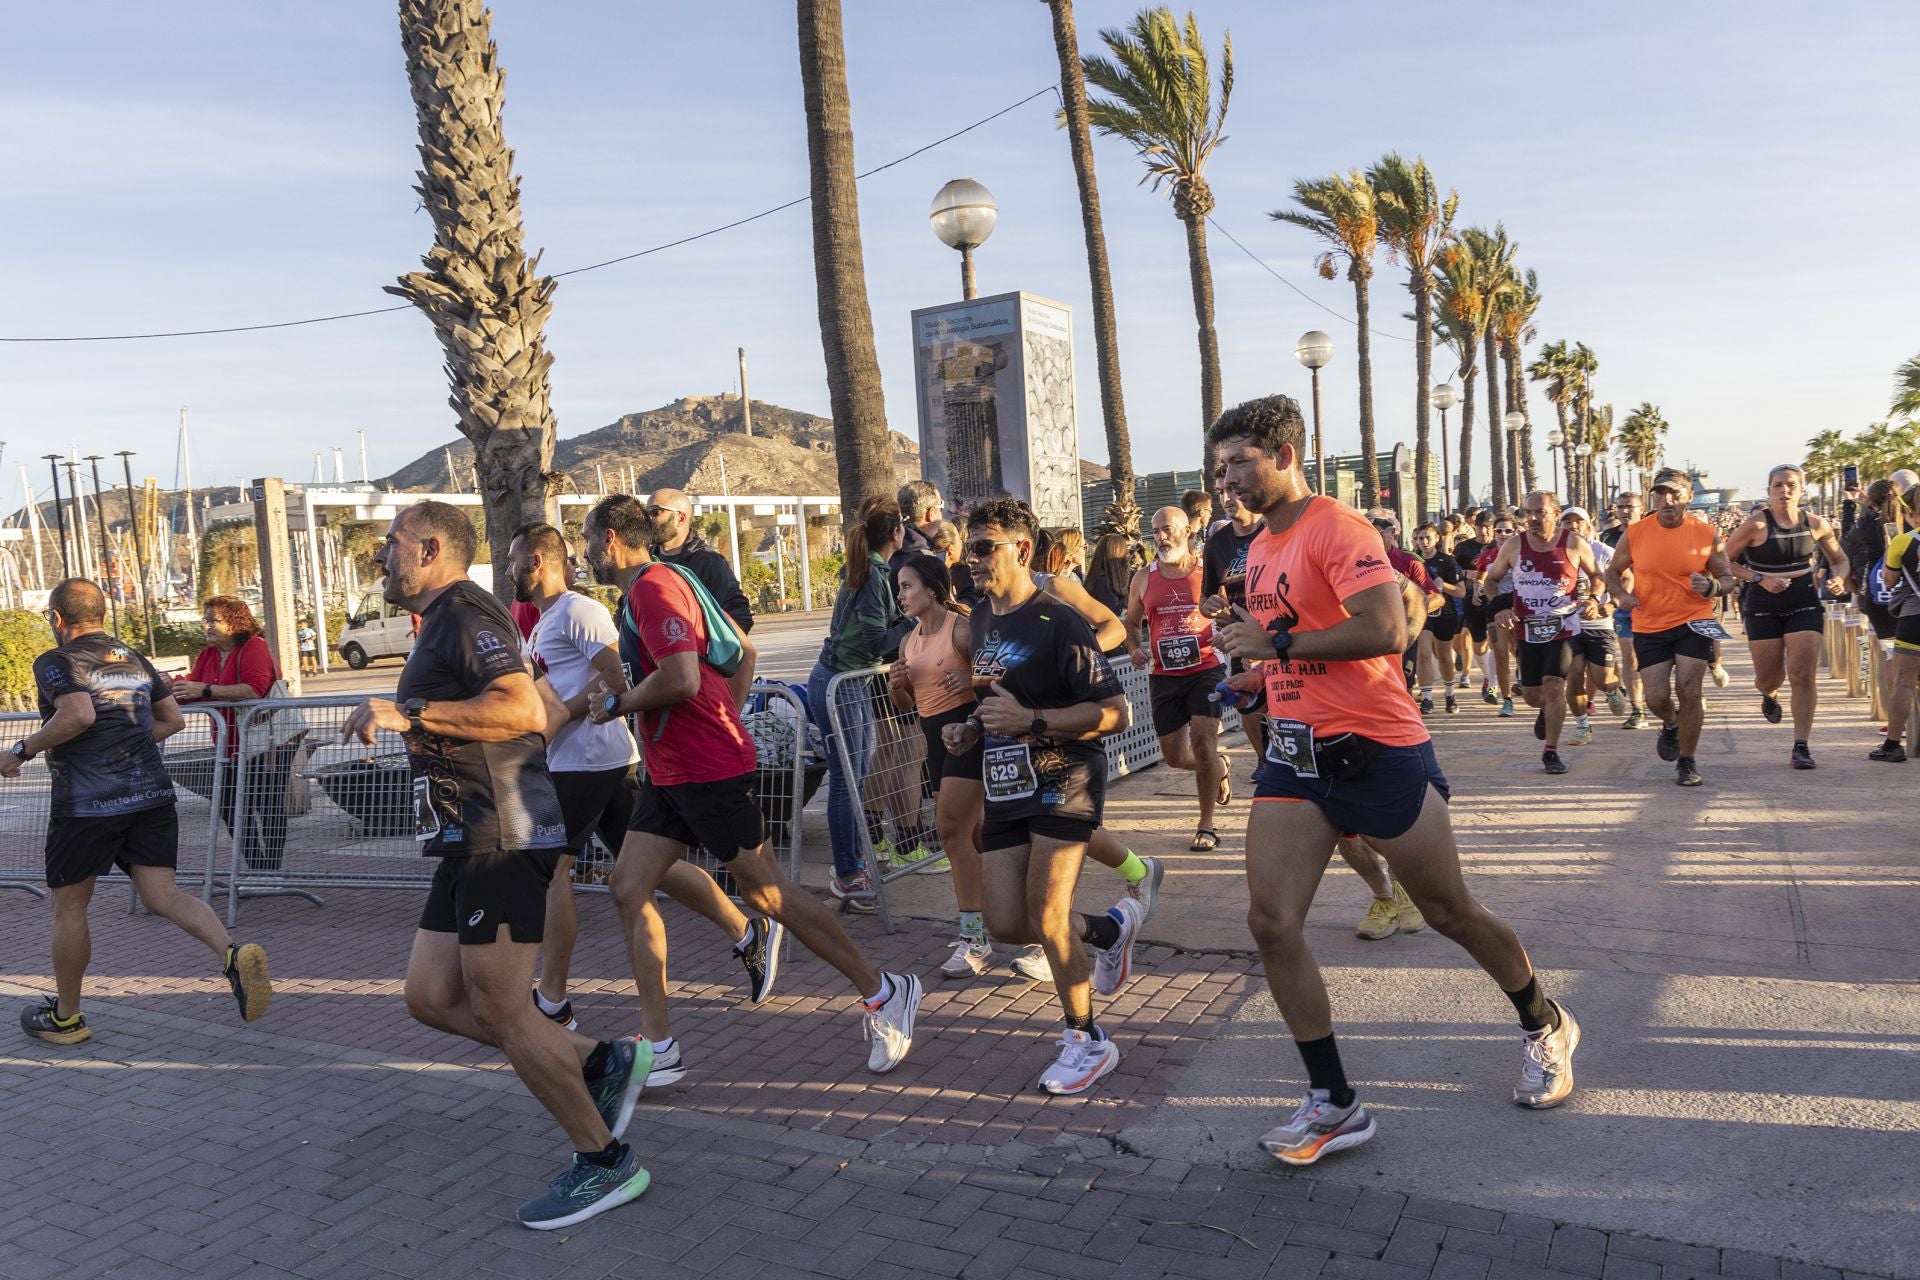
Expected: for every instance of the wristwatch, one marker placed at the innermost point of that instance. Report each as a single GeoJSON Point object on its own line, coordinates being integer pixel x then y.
{"type": "Point", "coordinates": [413, 707]}
{"type": "Point", "coordinates": [1282, 641]}
{"type": "Point", "coordinates": [20, 750]}
{"type": "Point", "coordinates": [610, 705]}
{"type": "Point", "coordinates": [1038, 725]}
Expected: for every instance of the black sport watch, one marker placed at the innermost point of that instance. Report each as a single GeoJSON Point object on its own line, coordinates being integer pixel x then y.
{"type": "Point", "coordinates": [1038, 725]}
{"type": "Point", "coordinates": [20, 750]}
{"type": "Point", "coordinates": [414, 707]}
{"type": "Point", "coordinates": [610, 705]}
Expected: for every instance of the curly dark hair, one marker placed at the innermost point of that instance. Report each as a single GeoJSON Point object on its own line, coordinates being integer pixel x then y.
{"type": "Point", "coordinates": [233, 612]}
{"type": "Point", "coordinates": [1269, 422]}
{"type": "Point", "coordinates": [1008, 514]}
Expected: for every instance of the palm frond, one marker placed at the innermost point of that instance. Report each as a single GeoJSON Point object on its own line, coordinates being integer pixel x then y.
{"type": "Point", "coordinates": [1906, 390]}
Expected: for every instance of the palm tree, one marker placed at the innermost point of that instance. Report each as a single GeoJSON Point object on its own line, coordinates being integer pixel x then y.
{"type": "Point", "coordinates": [1582, 364]}
{"type": "Point", "coordinates": [1598, 438]}
{"type": "Point", "coordinates": [1160, 100]}
{"type": "Point", "coordinates": [1514, 319]}
{"type": "Point", "coordinates": [1123, 513]}
{"type": "Point", "coordinates": [1415, 222]}
{"type": "Point", "coordinates": [485, 297]}
{"type": "Point", "coordinates": [1906, 390]}
{"type": "Point", "coordinates": [1462, 319]}
{"type": "Point", "coordinates": [1342, 212]}
{"type": "Point", "coordinates": [1552, 367]}
{"type": "Point", "coordinates": [863, 456]}
{"type": "Point", "coordinates": [1495, 253]}
{"type": "Point", "coordinates": [1641, 438]}
{"type": "Point", "coordinates": [1823, 460]}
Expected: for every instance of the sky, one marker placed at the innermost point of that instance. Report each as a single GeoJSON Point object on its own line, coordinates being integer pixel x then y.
{"type": "Point", "coordinates": [1673, 173]}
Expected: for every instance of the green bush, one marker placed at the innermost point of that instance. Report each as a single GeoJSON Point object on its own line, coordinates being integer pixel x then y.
{"type": "Point", "coordinates": [170, 639]}
{"type": "Point", "coordinates": [24, 636]}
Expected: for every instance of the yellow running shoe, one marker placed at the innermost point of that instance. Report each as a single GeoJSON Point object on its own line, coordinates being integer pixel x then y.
{"type": "Point", "coordinates": [1411, 921]}
{"type": "Point", "coordinates": [1381, 921]}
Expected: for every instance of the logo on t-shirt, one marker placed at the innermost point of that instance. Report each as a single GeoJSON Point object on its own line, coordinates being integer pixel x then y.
{"type": "Point", "coordinates": [119, 654]}
{"type": "Point", "coordinates": [674, 630]}
{"type": "Point", "coordinates": [1368, 562]}
{"type": "Point", "coordinates": [485, 642]}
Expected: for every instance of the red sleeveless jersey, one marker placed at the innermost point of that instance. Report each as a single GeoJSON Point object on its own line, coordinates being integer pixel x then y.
{"type": "Point", "coordinates": [1544, 582]}
{"type": "Point", "coordinates": [1179, 636]}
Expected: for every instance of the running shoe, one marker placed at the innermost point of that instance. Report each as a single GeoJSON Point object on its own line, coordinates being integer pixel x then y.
{"type": "Point", "coordinates": [629, 1064]}
{"type": "Point", "coordinates": [1582, 735]}
{"type": "Point", "coordinates": [42, 1022]}
{"type": "Point", "coordinates": [761, 957]}
{"type": "Point", "coordinates": [890, 1027]}
{"type": "Point", "coordinates": [1486, 693]}
{"type": "Point", "coordinates": [1546, 1066]}
{"type": "Point", "coordinates": [970, 959]}
{"type": "Point", "coordinates": [1685, 774]}
{"type": "Point", "coordinates": [1551, 762]}
{"type": "Point", "coordinates": [1889, 752]}
{"type": "Point", "coordinates": [1033, 965]}
{"type": "Point", "coordinates": [1381, 921]}
{"type": "Point", "coordinates": [561, 1017]}
{"type": "Point", "coordinates": [1506, 706]}
{"type": "Point", "coordinates": [1426, 705]}
{"type": "Point", "coordinates": [1082, 1061]}
{"type": "Point", "coordinates": [1540, 725]}
{"type": "Point", "coordinates": [1720, 677]}
{"type": "Point", "coordinates": [1453, 704]}
{"type": "Point", "coordinates": [1411, 921]}
{"type": "Point", "coordinates": [1636, 719]}
{"type": "Point", "coordinates": [667, 1065]}
{"type": "Point", "coordinates": [1113, 965]}
{"type": "Point", "coordinates": [584, 1190]}
{"type": "Point", "coordinates": [1515, 690]}
{"type": "Point", "coordinates": [1461, 683]}
{"type": "Point", "coordinates": [1146, 892]}
{"type": "Point", "coordinates": [1667, 745]}
{"type": "Point", "coordinates": [1770, 708]}
{"type": "Point", "coordinates": [1318, 1129]}
{"type": "Point", "coordinates": [1617, 700]}
{"type": "Point", "coordinates": [1801, 758]}
{"type": "Point", "coordinates": [855, 893]}
{"type": "Point", "coordinates": [246, 971]}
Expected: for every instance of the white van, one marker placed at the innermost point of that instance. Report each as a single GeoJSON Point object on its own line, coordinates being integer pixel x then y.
{"type": "Point", "coordinates": [376, 629]}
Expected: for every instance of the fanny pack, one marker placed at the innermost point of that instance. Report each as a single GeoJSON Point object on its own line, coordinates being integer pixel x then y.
{"type": "Point", "coordinates": [1345, 757]}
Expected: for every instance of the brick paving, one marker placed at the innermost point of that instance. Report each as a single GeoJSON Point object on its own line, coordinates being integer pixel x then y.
{"type": "Point", "coordinates": [337, 1138]}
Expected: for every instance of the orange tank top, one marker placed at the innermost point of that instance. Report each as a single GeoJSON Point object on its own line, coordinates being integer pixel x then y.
{"type": "Point", "coordinates": [1328, 555]}
{"type": "Point", "coordinates": [1662, 559]}
{"type": "Point", "coordinates": [929, 659]}
{"type": "Point", "coordinates": [1179, 636]}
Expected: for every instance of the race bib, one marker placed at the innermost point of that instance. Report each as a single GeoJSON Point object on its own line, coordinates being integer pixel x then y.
{"type": "Point", "coordinates": [1009, 772]}
{"type": "Point", "coordinates": [1179, 652]}
{"type": "Point", "coordinates": [1544, 630]}
{"type": "Point", "coordinates": [1290, 742]}
{"type": "Point", "coordinates": [1709, 628]}
{"type": "Point", "coordinates": [426, 820]}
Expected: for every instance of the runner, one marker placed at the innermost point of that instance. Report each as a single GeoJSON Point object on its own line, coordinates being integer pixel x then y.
{"type": "Point", "coordinates": [1775, 552]}
{"type": "Point", "coordinates": [1223, 580]}
{"type": "Point", "coordinates": [1901, 573]}
{"type": "Point", "coordinates": [1048, 697]}
{"type": "Point", "coordinates": [699, 788]}
{"type": "Point", "coordinates": [485, 807]}
{"type": "Point", "coordinates": [1324, 618]}
{"type": "Point", "coordinates": [1595, 651]}
{"type": "Point", "coordinates": [1496, 661]}
{"type": "Point", "coordinates": [104, 711]}
{"type": "Point", "coordinates": [1626, 510]}
{"type": "Point", "coordinates": [1163, 610]}
{"type": "Point", "coordinates": [1443, 621]}
{"type": "Point", "coordinates": [573, 643]}
{"type": "Point", "coordinates": [1473, 609]}
{"type": "Point", "coordinates": [1679, 564]}
{"type": "Point", "coordinates": [1414, 572]}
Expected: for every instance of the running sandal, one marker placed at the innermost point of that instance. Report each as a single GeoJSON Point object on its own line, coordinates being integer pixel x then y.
{"type": "Point", "coordinates": [42, 1022]}
{"type": "Point", "coordinates": [1082, 1061]}
{"type": "Point", "coordinates": [1318, 1129]}
{"type": "Point", "coordinates": [890, 1027]}
{"type": "Point", "coordinates": [1205, 840]}
{"type": "Point", "coordinates": [1546, 1065]}
{"type": "Point", "coordinates": [585, 1189]}
{"type": "Point", "coordinates": [1381, 921]}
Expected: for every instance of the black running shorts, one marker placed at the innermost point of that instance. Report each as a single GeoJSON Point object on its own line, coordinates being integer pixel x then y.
{"type": "Point", "coordinates": [1384, 803]}
{"type": "Point", "coordinates": [1778, 626]}
{"type": "Point", "coordinates": [1597, 648]}
{"type": "Point", "coordinates": [940, 764]}
{"type": "Point", "coordinates": [82, 848]}
{"type": "Point", "coordinates": [1539, 661]}
{"type": "Point", "coordinates": [722, 817]}
{"type": "Point", "coordinates": [1015, 833]}
{"type": "Point", "coordinates": [596, 802]}
{"type": "Point", "coordinates": [1878, 616]}
{"type": "Point", "coordinates": [1906, 633]}
{"type": "Point", "coordinates": [1178, 700]}
{"type": "Point", "coordinates": [473, 894]}
{"type": "Point", "coordinates": [1650, 650]}
{"type": "Point", "coordinates": [1477, 617]}
{"type": "Point", "coordinates": [1444, 622]}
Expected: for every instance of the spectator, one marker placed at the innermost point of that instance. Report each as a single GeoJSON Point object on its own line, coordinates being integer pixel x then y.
{"type": "Point", "coordinates": [1198, 504]}
{"type": "Point", "coordinates": [309, 648]}
{"type": "Point", "coordinates": [1067, 554]}
{"type": "Point", "coordinates": [922, 510]}
{"type": "Point", "coordinates": [1865, 545]}
{"type": "Point", "coordinates": [671, 513]}
{"type": "Point", "coordinates": [1110, 572]}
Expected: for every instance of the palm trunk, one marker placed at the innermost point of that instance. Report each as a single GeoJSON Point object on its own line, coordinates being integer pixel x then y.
{"type": "Point", "coordinates": [863, 455]}
{"type": "Point", "coordinates": [1496, 429]}
{"type": "Point", "coordinates": [1560, 418]}
{"type": "Point", "coordinates": [485, 297]}
{"type": "Point", "coordinates": [1202, 273]}
{"type": "Point", "coordinates": [1469, 371]}
{"type": "Point", "coordinates": [1422, 378]}
{"type": "Point", "coordinates": [1517, 399]}
{"type": "Point", "coordinates": [1123, 513]}
{"type": "Point", "coordinates": [1369, 489]}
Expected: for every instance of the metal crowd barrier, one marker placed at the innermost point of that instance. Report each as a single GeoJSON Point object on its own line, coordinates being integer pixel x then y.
{"type": "Point", "coordinates": [195, 758]}
{"type": "Point", "coordinates": [898, 836]}
{"type": "Point", "coordinates": [318, 813]}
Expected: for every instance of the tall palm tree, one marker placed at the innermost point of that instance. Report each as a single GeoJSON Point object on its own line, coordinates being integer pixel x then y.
{"type": "Point", "coordinates": [1514, 319]}
{"type": "Point", "coordinates": [1123, 513]}
{"type": "Point", "coordinates": [1160, 100]}
{"type": "Point", "coordinates": [1582, 364]}
{"type": "Point", "coordinates": [486, 298]}
{"type": "Point", "coordinates": [1599, 438]}
{"type": "Point", "coordinates": [1906, 390]}
{"type": "Point", "coordinates": [1823, 460]}
{"type": "Point", "coordinates": [1341, 211]}
{"type": "Point", "coordinates": [1495, 253]}
{"type": "Point", "coordinates": [1462, 317]}
{"type": "Point", "coordinates": [1552, 367]}
{"type": "Point", "coordinates": [1416, 221]}
{"type": "Point", "coordinates": [1642, 436]}
{"type": "Point", "coordinates": [863, 456]}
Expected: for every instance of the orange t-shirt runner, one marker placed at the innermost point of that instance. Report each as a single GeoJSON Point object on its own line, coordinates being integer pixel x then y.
{"type": "Point", "coordinates": [1662, 559]}
{"type": "Point", "coordinates": [1329, 554]}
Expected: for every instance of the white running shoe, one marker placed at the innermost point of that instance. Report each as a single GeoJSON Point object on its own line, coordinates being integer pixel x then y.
{"type": "Point", "coordinates": [1318, 1129]}
{"type": "Point", "coordinates": [1032, 964]}
{"type": "Point", "coordinates": [970, 959]}
{"type": "Point", "coordinates": [1114, 965]}
{"type": "Point", "coordinates": [1082, 1061]}
{"type": "Point", "coordinates": [1147, 892]}
{"type": "Point", "coordinates": [667, 1067]}
{"type": "Point", "coordinates": [1546, 1068]}
{"type": "Point", "coordinates": [890, 1027]}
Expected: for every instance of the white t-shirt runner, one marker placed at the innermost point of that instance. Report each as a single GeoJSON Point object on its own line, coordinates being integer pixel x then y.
{"type": "Point", "coordinates": [562, 647]}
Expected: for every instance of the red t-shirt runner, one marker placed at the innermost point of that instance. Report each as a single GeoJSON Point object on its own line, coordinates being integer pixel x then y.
{"type": "Point", "coordinates": [701, 739]}
{"type": "Point", "coordinates": [1543, 587]}
{"type": "Point", "coordinates": [1179, 636]}
{"type": "Point", "coordinates": [1329, 555]}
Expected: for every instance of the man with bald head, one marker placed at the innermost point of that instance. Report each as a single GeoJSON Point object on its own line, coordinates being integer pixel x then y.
{"type": "Point", "coordinates": [670, 512]}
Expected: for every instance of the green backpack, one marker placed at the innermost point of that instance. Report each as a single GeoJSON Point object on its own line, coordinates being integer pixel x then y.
{"type": "Point", "coordinates": [724, 652]}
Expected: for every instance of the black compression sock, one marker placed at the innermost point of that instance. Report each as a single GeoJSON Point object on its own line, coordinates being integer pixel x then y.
{"type": "Point", "coordinates": [1322, 1057]}
{"type": "Point", "coordinates": [596, 1064]}
{"type": "Point", "coordinates": [1535, 1010]}
{"type": "Point", "coordinates": [608, 1156]}
{"type": "Point", "coordinates": [1100, 931]}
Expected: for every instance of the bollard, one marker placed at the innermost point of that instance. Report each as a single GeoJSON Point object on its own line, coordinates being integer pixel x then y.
{"type": "Point", "coordinates": [1834, 630]}
{"type": "Point", "coordinates": [1874, 656]}
{"type": "Point", "coordinates": [1855, 650]}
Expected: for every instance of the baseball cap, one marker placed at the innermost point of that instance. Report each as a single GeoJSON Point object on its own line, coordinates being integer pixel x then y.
{"type": "Point", "coordinates": [1672, 478]}
{"type": "Point", "coordinates": [1382, 513]}
{"type": "Point", "coordinates": [1580, 512]}
{"type": "Point", "coordinates": [1904, 479]}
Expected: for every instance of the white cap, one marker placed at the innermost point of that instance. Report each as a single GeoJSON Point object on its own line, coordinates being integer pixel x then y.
{"type": "Point", "coordinates": [1904, 479]}
{"type": "Point", "coordinates": [1575, 511]}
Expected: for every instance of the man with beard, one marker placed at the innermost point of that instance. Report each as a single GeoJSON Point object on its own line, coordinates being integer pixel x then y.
{"type": "Point", "coordinates": [484, 805]}
{"type": "Point", "coordinates": [670, 521]}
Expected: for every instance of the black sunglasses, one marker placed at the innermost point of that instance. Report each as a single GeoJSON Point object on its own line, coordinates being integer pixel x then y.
{"type": "Point", "coordinates": [981, 548]}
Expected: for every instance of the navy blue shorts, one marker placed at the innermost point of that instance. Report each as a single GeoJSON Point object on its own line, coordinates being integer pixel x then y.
{"type": "Point", "coordinates": [1383, 803]}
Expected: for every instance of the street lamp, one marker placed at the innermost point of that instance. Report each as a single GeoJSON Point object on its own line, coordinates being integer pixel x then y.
{"type": "Point", "coordinates": [1556, 438]}
{"type": "Point", "coordinates": [963, 216]}
{"type": "Point", "coordinates": [1315, 349]}
{"type": "Point", "coordinates": [1443, 398]}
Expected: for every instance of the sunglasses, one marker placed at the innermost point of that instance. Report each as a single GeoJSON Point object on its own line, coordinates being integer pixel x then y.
{"type": "Point", "coordinates": [981, 548]}
{"type": "Point", "coordinates": [1387, 525]}
{"type": "Point", "coordinates": [1505, 529]}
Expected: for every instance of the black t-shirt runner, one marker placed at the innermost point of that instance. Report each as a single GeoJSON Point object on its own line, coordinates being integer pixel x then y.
{"type": "Point", "coordinates": [1224, 562]}
{"type": "Point", "coordinates": [114, 766]}
{"type": "Point", "coordinates": [1442, 567]}
{"type": "Point", "coordinates": [1044, 655]}
{"type": "Point", "coordinates": [474, 797]}
{"type": "Point", "coordinates": [1465, 552]}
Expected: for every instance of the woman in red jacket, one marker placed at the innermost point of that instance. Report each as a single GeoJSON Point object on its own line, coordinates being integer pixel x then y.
{"type": "Point", "coordinates": [237, 666]}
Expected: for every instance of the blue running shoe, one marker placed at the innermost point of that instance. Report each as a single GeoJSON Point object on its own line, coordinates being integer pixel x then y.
{"type": "Point", "coordinates": [584, 1190]}
{"type": "Point", "coordinates": [615, 1092]}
